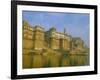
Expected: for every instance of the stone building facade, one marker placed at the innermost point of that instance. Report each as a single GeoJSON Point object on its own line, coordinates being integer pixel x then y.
{"type": "Point", "coordinates": [58, 40]}
{"type": "Point", "coordinates": [37, 38]}
{"type": "Point", "coordinates": [33, 38]}
{"type": "Point", "coordinates": [53, 45]}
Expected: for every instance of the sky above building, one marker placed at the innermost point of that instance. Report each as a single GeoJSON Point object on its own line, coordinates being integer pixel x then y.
{"type": "Point", "coordinates": [76, 24]}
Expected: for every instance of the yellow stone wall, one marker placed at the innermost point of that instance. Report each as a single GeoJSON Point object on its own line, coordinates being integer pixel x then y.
{"type": "Point", "coordinates": [54, 43]}
{"type": "Point", "coordinates": [26, 61]}
{"type": "Point", "coordinates": [38, 39]}
{"type": "Point", "coordinates": [27, 44]}
{"type": "Point", "coordinates": [38, 44]}
{"type": "Point", "coordinates": [65, 44]}
{"type": "Point", "coordinates": [34, 40]}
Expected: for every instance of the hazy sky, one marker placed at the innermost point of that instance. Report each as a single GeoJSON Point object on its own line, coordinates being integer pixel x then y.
{"type": "Point", "coordinates": [76, 24]}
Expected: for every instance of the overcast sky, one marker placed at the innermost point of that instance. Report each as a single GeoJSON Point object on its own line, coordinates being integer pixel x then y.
{"type": "Point", "coordinates": [76, 24]}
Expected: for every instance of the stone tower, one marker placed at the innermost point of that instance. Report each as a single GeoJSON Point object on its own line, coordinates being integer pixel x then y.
{"type": "Point", "coordinates": [38, 38]}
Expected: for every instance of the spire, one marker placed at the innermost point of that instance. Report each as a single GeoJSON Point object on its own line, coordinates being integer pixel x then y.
{"type": "Point", "coordinates": [64, 30]}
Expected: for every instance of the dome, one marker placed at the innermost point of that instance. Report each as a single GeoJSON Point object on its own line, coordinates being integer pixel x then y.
{"type": "Point", "coordinates": [53, 29]}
